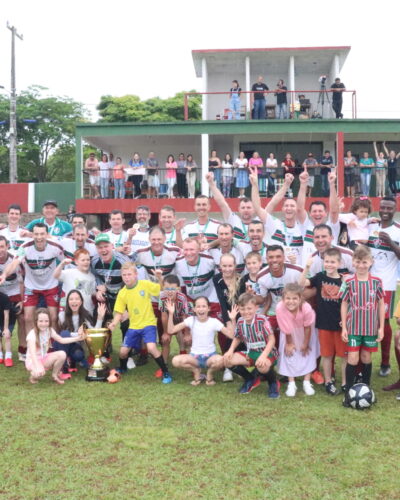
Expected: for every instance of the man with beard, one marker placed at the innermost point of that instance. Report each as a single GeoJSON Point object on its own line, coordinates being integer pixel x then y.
{"type": "Point", "coordinates": [225, 239]}
{"type": "Point", "coordinates": [256, 241]}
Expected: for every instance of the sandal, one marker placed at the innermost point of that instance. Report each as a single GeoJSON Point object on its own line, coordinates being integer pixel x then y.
{"type": "Point", "coordinates": [210, 381]}
{"type": "Point", "coordinates": [33, 380]}
{"type": "Point", "coordinates": [195, 382]}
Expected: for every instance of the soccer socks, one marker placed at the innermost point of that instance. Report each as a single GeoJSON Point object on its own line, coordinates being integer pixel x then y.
{"type": "Point", "coordinates": [123, 364]}
{"type": "Point", "coordinates": [270, 376]}
{"type": "Point", "coordinates": [162, 364]}
{"type": "Point", "coordinates": [351, 372]}
{"type": "Point", "coordinates": [386, 343]}
{"type": "Point", "coordinates": [397, 353]}
{"type": "Point", "coordinates": [242, 371]}
{"type": "Point", "coordinates": [366, 373]}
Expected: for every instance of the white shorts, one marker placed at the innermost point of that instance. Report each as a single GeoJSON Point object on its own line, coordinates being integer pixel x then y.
{"type": "Point", "coordinates": [94, 180]}
{"type": "Point", "coordinates": [310, 182]}
{"type": "Point", "coordinates": [153, 181]}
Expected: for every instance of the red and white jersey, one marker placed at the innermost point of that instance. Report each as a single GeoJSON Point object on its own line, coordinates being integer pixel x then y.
{"type": "Point", "coordinates": [165, 261]}
{"type": "Point", "coordinates": [197, 279]}
{"type": "Point", "coordinates": [209, 230]}
{"type": "Point", "coordinates": [307, 229]}
{"type": "Point", "coordinates": [245, 248]}
{"type": "Point", "coordinates": [12, 284]}
{"type": "Point", "coordinates": [289, 238]}
{"type": "Point", "coordinates": [274, 285]}
{"type": "Point", "coordinates": [346, 263]}
{"type": "Point", "coordinates": [385, 260]}
{"type": "Point", "coordinates": [216, 254]}
{"type": "Point", "coordinates": [170, 237]}
{"type": "Point", "coordinates": [240, 229]}
{"type": "Point", "coordinates": [69, 247]}
{"type": "Point", "coordinates": [39, 265]}
{"type": "Point", "coordinates": [117, 240]}
{"type": "Point", "coordinates": [14, 238]}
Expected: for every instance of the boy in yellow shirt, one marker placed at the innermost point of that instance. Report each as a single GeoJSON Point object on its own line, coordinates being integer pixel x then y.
{"type": "Point", "coordinates": [135, 297]}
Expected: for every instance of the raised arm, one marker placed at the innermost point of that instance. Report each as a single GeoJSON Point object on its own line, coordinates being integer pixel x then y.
{"type": "Point", "coordinates": [255, 195]}
{"type": "Point", "coordinates": [375, 149]}
{"type": "Point", "coordinates": [218, 196]}
{"type": "Point", "coordinates": [301, 197]}
{"type": "Point", "coordinates": [280, 195]}
{"type": "Point", "coordinates": [334, 203]}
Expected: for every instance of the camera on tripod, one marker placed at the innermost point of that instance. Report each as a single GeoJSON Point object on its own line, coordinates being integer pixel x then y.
{"type": "Point", "coordinates": [322, 79]}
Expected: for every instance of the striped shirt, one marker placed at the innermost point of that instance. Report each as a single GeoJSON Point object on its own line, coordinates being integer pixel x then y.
{"type": "Point", "coordinates": [14, 238]}
{"type": "Point", "coordinates": [216, 254]}
{"type": "Point", "coordinates": [69, 246]}
{"type": "Point", "coordinates": [256, 334]}
{"type": "Point", "coordinates": [290, 238]}
{"type": "Point", "coordinates": [165, 261]}
{"type": "Point", "coordinates": [209, 230]}
{"type": "Point", "coordinates": [39, 265]}
{"type": "Point", "coordinates": [109, 273]}
{"type": "Point", "coordinates": [183, 307]}
{"type": "Point", "coordinates": [363, 298]}
{"type": "Point", "coordinates": [11, 286]}
{"type": "Point", "coordinates": [346, 262]}
{"type": "Point", "coordinates": [240, 229]}
{"type": "Point", "coordinates": [197, 279]}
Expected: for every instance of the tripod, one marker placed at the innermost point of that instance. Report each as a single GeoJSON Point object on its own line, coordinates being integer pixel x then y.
{"type": "Point", "coordinates": [321, 98]}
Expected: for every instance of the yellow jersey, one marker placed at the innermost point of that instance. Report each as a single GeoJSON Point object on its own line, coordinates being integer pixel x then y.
{"type": "Point", "coordinates": [137, 301]}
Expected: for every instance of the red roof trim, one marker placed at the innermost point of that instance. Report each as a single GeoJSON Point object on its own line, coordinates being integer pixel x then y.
{"type": "Point", "coordinates": [272, 49]}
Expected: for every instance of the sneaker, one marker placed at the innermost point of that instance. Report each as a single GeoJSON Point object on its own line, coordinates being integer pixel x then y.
{"type": "Point", "coordinates": [273, 390]}
{"type": "Point", "coordinates": [158, 373]}
{"type": "Point", "coordinates": [385, 371]}
{"type": "Point", "coordinates": [317, 377]}
{"type": "Point", "coordinates": [392, 387]}
{"type": "Point", "coordinates": [21, 357]}
{"type": "Point", "coordinates": [104, 360]}
{"type": "Point", "coordinates": [346, 402]}
{"type": "Point", "coordinates": [64, 376]}
{"type": "Point", "coordinates": [331, 389]}
{"type": "Point", "coordinates": [120, 370]}
{"type": "Point", "coordinates": [291, 390]}
{"type": "Point", "coordinates": [398, 397]}
{"type": "Point", "coordinates": [308, 388]}
{"type": "Point", "coordinates": [8, 362]}
{"type": "Point", "coordinates": [228, 376]}
{"type": "Point", "coordinates": [343, 388]}
{"type": "Point", "coordinates": [167, 379]}
{"type": "Point", "coordinates": [130, 364]}
{"type": "Point", "coordinates": [143, 359]}
{"type": "Point", "coordinates": [358, 379]}
{"type": "Point", "coordinates": [249, 385]}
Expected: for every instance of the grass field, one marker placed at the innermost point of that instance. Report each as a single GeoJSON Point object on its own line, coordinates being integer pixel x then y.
{"type": "Point", "coordinates": [142, 439]}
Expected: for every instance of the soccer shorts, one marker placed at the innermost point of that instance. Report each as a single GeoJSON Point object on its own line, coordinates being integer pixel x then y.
{"type": "Point", "coordinates": [365, 342]}
{"type": "Point", "coordinates": [32, 297]}
{"type": "Point", "coordinates": [133, 338]}
{"type": "Point", "coordinates": [203, 358]}
{"type": "Point", "coordinates": [252, 356]}
{"type": "Point", "coordinates": [331, 343]}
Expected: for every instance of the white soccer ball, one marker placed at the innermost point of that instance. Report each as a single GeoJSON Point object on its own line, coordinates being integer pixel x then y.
{"type": "Point", "coordinates": [361, 396]}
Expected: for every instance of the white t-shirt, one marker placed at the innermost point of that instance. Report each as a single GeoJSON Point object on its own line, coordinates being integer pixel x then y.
{"type": "Point", "coordinates": [203, 334]}
{"type": "Point", "coordinates": [360, 231]}
{"type": "Point", "coordinates": [117, 240]}
{"type": "Point", "coordinates": [73, 279]}
{"type": "Point", "coordinates": [44, 343]}
{"type": "Point", "coordinates": [104, 169]}
{"type": "Point", "coordinates": [140, 240]}
{"type": "Point", "coordinates": [14, 239]}
{"type": "Point", "coordinates": [346, 262]}
{"type": "Point", "coordinates": [197, 279]}
{"type": "Point", "coordinates": [307, 229]}
{"type": "Point", "coordinates": [290, 238]}
{"type": "Point", "coordinates": [241, 163]}
{"type": "Point", "coordinates": [385, 260]}
{"type": "Point", "coordinates": [40, 265]}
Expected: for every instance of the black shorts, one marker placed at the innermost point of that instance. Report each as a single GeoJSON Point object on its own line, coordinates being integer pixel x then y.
{"type": "Point", "coordinates": [348, 177]}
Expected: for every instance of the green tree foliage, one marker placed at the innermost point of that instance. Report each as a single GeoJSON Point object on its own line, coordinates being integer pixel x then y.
{"type": "Point", "coordinates": [46, 147]}
{"type": "Point", "coordinates": [130, 108]}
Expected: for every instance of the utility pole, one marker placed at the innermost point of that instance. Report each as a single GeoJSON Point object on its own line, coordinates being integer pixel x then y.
{"type": "Point", "coordinates": [13, 109]}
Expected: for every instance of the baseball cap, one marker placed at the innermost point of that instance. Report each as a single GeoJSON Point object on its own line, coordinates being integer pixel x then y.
{"type": "Point", "coordinates": [50, 202]}
{"type": "Point", "coordinates": [102, 238]}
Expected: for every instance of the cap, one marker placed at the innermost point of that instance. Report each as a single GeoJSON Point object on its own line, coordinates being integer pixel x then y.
{"type": "Point", "coordinates": [50, 202]}
{"type": "Point", "coordinates": [102, 238]}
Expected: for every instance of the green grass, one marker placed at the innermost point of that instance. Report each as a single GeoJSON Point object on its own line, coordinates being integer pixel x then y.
{"type": "Point", "coordinates": [141, 439]}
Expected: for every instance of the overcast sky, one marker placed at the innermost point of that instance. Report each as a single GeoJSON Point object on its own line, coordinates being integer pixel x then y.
{"type": "Point", "coordinates": [85, 49]}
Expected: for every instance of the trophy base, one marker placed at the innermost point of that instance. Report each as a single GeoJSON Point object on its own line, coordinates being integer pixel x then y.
{"type": "Point", "coordinates": [97, 375]}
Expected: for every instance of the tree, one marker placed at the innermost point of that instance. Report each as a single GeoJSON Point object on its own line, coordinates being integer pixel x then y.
{"type": "Point", "coordinates": [130, 108]}
{"type": "Point", "coordinates": [46, 128]}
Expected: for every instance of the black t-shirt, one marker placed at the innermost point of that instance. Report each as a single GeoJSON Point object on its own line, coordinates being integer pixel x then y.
{"type": "Point", "coordinates": [223, 297]}
{"type": "Point", "coordinates": [392, 162]}
{"type": "Point", "coordinates": [337, 96]}
{"type": "Point", "coordinates": [5, 305]}
{"type": "Point", "coordinates": [281, 97]}
{"type": "Point", "coordinates": [328, 302]}
{"type": "Point", "coordinates": [259, 88]}
{"type": "Point", "coordinates": [326, 161]}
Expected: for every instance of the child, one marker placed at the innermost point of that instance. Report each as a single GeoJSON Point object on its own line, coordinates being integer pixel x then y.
{"type": "Point", "coordinates": [357, 221]}
{"type": "Point", "coordinates": [248, 282]}
{"type": "Point", "coordinates": [38, 359]}
{"type": "Point", "coordinates": [298, 344]}
{"type": "Point", "coordinates": [172, 291]}
{"type": "Point", "coordinates": [203, 353]}
{"type": "Point", "coordinates": [363, 316]}
{"type": "Point", "coordinates": [135, 297]}
{"type": "Point", "coordinates": [7, 321]}
{"type": "Point", "coordinates": [328, 283]}
{"type": "Point", "coordinates": [254, 330]}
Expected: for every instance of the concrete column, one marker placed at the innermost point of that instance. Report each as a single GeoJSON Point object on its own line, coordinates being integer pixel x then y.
{"type": "Point", "coordinates": [292, 83]}
{"type": "Point", "coordinates": [248, 86]}
{"type": "Point", "coordinates": [205, 153]}
{"type": "Point", "coordinates": [335, 67]}
{"type": "Point", "coordinates": [205, 88]}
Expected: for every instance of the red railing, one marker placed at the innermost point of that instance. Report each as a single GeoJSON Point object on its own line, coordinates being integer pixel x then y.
{"type": "Point", "coordinates": [327, 94]}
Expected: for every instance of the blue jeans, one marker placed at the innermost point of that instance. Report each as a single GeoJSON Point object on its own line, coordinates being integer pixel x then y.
{"type": "Point", "coordinates": [104, 187]}
{"type": "Point", "coordinates": [234, 106]}
{"type": "Point", "coordinates": [281, 111]}
{"type": "Point", "coordinates": [74, 351]}
{"type": "Point", "coordinates": [325, 185]}
{"type": "Point", "coordinates": [259, 109]}
{"type": "Point", "coordinates": [119, 188]}
{"type": "Point", "coordinates": [365, 182]}
{"type": "Point", "coordinates": [217, 177]}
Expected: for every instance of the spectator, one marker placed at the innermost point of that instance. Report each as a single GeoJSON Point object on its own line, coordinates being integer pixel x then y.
{"type": "Point", "coordinates": [227, 175]}
{"type": "Point", "coordinates": [392, 168]}
{"type": "Point", "coordinates": [214, 165]}
{"type": "Point", "coordinates": [256, 161]}
{"type": "Point", "coordinates": [381, 165]}
{"type": "Point", "coordinates": [259, 88]}
{"type": "Point", "coordinates": [281, 100]}
{"type": "Point", "coordinates": [111, 161]}
{"type": "Point", "coordinates": [289, 166]}
{"type": "Point", "coordinates": [242, 177]}
{"type": "Point", "coordinates": [136, 173]}
{"type": "Point", "coordinates": [104, 176]}
{"type": "Point", "coordinates": [337, 97]}
{"type": "Point", "coordinates": [92, 168]}
{"type": "Point", "coordinates": [366, 164]}
{"type": "Point", "coordinates": [119, 179]}
{"type": "Point", "coordinates": [181, 176]}
{"type": "Point", "coordinates": [349, 174]}
{"type": "Point", "coordinates": [271, 165]}
{"type": "Point", "coordinates": [153, 179]}
{"type": "Point", "coordinates": [191, 166]}
{"type": "Point", "coordinates": [171, 167]}
{"type": "Point", "coordinates": [326, 164]}
{"type": "Point", "coordinates": [310, 162]}
{"type": "Point", "coordinates": [234, 104]}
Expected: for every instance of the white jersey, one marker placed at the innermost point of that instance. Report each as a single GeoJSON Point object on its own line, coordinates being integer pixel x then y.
{"type": "Point", "coordinates": [140, 240]}
{"type": "Point", "coordinates": [209, 230]}
{"type": "Point", "coordinates": [117, 240]}
{"type": "Point", "coordinates": [165, 261]}
{"type": "Point", "coordinates": [346, 263]}
{"type": "Point", "coordinates": [170, 237]}
{"type": "Point", "coordinates": [275, 285]}
{"type": "Point", "coordinates": [289, 238]}
{"type": "Point", "coordinates": [240, 229]}
{"type": "Point", "coordinates": [73, 279]}
{"type": "Point", "coordinates": [307, 229]}
{"type": "Point", "coordinates": [40, 265]}
{"type": "Point", "coordinates": [69, 247]}
{"type": "Point", "coordinates": [11, 286]}
{"type": "Point", "coordinates": [245, 248]}
{"type": "Point", "coordinates": [385, 260]}
{"type": "Point", "coordinates": [14, 238]}
{"type": "Point", "coordinates": [197, 279]}
{"type": "Point", "coordinates": [216, 254]}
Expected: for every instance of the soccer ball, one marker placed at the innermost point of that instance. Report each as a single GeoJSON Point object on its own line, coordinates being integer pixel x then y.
{"type": "Point", "coordinates": [361, 396]}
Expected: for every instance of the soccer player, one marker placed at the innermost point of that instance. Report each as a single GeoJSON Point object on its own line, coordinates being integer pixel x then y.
{"type": "Point", "coordinates": [225, 246]}
{"type": "Point", "coordinates": [167, 220]}
{"type": "Point", "coordinates": [362, 316]}
{"type": "Point", "coordinates": [116, 232]}
{"type": "Point", "coordinates": [55, 226]}
{"type": "Point", "coordinates": [13, 232]}
{"type": "Point", "coordinates": [138, 235]}
{"type": "Point", "coordinates": [203, 226]}
{"type": "Point", "coordinates": [79, 239]}
{"type": "Point", "coordinates": [255, 243]}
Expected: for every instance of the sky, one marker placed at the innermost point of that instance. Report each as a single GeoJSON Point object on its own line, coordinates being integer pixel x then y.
{"type": "Point", "coordinates": [85, 49]}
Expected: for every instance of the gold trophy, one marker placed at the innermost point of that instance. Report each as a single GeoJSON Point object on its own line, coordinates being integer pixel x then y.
{"type": "Point", "coordinates": [97, 340]}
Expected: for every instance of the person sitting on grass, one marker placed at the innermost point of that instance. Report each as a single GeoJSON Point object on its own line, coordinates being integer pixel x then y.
{"type": "Point", "coordinates": [203, 353]}
{"type": "Point", "coordinates": [363, 317]}
{"type": "Point", "coordinates": [135, 297]}
{"type": "Point", "coordinates": [38, 357]}
{"type": "Point", "coordinates": [254, 330]}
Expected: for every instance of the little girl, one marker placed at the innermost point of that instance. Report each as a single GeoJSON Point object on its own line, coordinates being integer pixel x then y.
{"type": "Point", "coordinates": [357, 221]}
{"type": "Point", "coordinates": [298, 345]}
{"type": "Point", "coordinates": [203, 353]}
{"type": "Point", "coordinates": [38, 359]}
